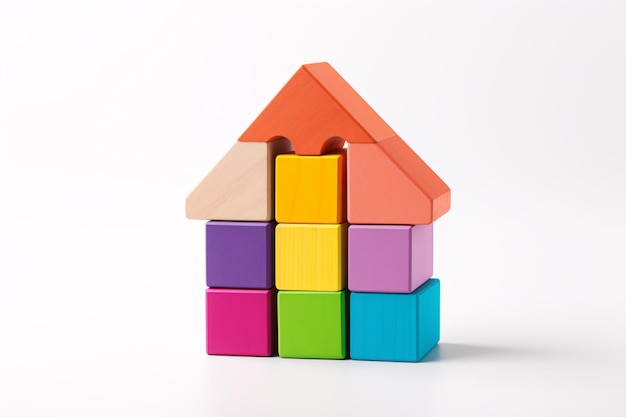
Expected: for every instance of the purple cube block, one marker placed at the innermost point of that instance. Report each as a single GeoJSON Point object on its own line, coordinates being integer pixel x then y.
{"type": "Point", "coordinates": [389, 259]}
{"type": "Point", "coordinates": [240, 254]}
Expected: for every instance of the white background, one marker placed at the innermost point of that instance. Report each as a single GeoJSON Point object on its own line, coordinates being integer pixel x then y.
{"type": "Point", "coordinates": [111, 112]}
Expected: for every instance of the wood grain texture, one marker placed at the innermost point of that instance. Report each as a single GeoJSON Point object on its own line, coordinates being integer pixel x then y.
{"type": "Point", "coordinates": [389, 258]}
{"type": "Point", "coordinates": [240, 254]}
{"type": "Point", "coordinates": [420, 174]}
{"type": "Point", "coordinates": [240, 186]}
{"type": "Point", "coordinates": [389, 184]}
{"type": "Point", "coordinates": [395, 327]}
{"type": "Point", "coordinates": [312, 324]}
{"type": "Point", "coordinates": [311, 257]}
{"type": "Point", "coordinates": [311, 189]}
{"type": "Point", "coordinates": [240, 322]}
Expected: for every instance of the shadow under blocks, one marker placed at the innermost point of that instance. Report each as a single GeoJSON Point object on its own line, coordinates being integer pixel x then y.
{"type": "Point", "coordinates": [319, 232]}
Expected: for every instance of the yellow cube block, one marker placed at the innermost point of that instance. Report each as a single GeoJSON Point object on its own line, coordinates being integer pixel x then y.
{"type": "Point", "coordinates": [311, 189]}
{"type": "Point", "coordinates": [311, 257]}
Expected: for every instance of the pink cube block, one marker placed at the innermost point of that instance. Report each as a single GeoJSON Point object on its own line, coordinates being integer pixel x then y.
{"type": "Point", "coordinates": [240, 322]}
{"type": "Point", "coordinates": [389, 259]}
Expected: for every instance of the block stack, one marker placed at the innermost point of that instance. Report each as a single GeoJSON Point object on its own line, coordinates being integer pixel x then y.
{"type": "Point", "coordinates": [394, 303]}
{"type": "Point", "coordinates": [311, 254]}
{"type": "Point", "coordinates": [240, 300]}
{"type": "Point", "coordinates": [315, 249]}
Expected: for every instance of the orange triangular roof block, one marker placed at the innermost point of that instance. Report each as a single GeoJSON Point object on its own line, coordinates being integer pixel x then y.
{"type": "Point", "coordinates": [318, 111]}
{"type": "Point", "coordinates": [389, 184]}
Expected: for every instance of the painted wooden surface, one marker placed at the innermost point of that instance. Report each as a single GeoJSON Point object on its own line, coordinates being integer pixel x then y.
{"type": "Point", "coordinates": [240, 186]}
{"type": "Point", "coordinates": [311, 189]}
{"type": "Point", "coordinates": [395, 327]}
{"type": "Point", "coordinates": [389, 184]}
{"type": "Point", "coordinates": [240, 254]}
{"type": "Point", "coordinates": [311, 257]}
{"type": "Point", "coordinates": [317, 110]}
{"type": "Point", "coordinates": [389, 258]}
{"type": "Point", "coordinates": [420, 174]}
{"type": "Point", "coordinates": [312, 324]}
{"type": "Point", "coordinates": [241, 322]}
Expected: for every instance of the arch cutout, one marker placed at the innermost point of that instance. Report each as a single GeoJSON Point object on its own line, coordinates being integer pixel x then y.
{"type": "Point", "coordinates": [316, 105]}
{"type": "Point", "coordinates": [388, 183]}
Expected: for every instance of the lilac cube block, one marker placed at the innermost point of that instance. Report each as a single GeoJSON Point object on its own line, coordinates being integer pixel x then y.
{"type": "Point", "coordinates": [389, 259]}
{"type": "Point", "coordinates": [240, 254]}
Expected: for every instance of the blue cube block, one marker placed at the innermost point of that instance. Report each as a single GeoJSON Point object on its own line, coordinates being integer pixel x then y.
{"type": "Point", "coordinates": [395, 327]}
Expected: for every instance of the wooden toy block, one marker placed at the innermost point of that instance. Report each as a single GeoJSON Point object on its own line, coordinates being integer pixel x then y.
{"type": "Point", "coordinates": [240, 186]}
{"type": "Point", "coordinates": [241, 322]}
{"type": "Point", "coordinates": [240, 254]}
{"type": "Point", "coordinates": [311, 189]}
{"type": "Point", "coordinates": [389, 259]}
{"type": "Point", "coordinates": [311, 257]}
{"type": "Point", "coordinates": [395, 327]}
{"type": "Point", "coordinates": [317, 110]}
{"type": "Point", "coordinates": [312, 324]}
{"type": "Point", "coordinates": [389, 184]}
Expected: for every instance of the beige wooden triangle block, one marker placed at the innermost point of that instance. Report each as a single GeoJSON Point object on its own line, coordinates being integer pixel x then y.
{"type": "Point", "coordinates": [240, 186]}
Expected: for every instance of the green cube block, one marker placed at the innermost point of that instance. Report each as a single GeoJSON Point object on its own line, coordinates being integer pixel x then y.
{"type": "Point", "coordinates": [312, 324]}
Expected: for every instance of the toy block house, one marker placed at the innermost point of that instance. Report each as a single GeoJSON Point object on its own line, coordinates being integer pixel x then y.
{"type": "Point", "coordinates": [319, 240]}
